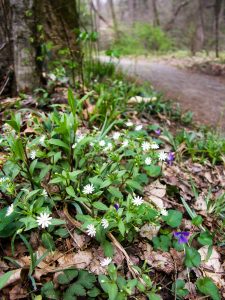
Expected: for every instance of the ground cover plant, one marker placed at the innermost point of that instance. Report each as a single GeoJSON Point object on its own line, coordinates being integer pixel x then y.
{"type": "Point", "coordinates": [102, 197]}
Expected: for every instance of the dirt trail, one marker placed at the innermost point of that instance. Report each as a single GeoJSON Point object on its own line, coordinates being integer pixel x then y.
{"type": "Point", "coordinates": [204, 95]}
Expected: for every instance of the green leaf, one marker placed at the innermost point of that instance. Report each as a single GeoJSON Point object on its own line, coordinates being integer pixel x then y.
{"type": "Point", "coordinates": [29, 222]}
{"type": "Point", "coordinates": [70, 191]}
{"type": "Point", "coordinates": [153, 296]}
{"type": "Point", "coordinates": [205, 238]}
{"type": "Point", "coordinates": [4, 278]}
{"type": "Point", "coordinates": [115, 192]}
{"type": "Point", "coordinates": [207, 287]}
{"type": "Point", "coordinates": [48, 291]}
{"type": "Point", "coordinates": [107, 248]}
{"type": "Point", "coordinates": [47, 241]}
{"type": "Point", "coordinates": [94, 292]}
{"type": "Point", "coordinates": [173, 218]}
{"type": "Point", "coordinates": [86, 279]}
{"type": "Point", "coordinates": [67, 276]}
{"type": "Point", "coordinates": [56, 222]}
{"type": "Point", "coordinates": [121, 227]}
{"type": "Point", "coordinates": [100, 206]}
{"type": "Point", "coordinates": [197, 220]}
{"type": "Point", "coordinates": [62, 232]}
{"type": "Point", "coordinates": [192, 257]}
{"type": "Point", "coordinates": [179, 289]}
{"type": "Point", "coordinates": [59, 143]}
{"type": "Point", "coordinates": [134, 184]}
{"type": "Point", "coordinates": [110, 288]}
{"type": "Point", "coordinates": [71, 102]}
{"type": "Point", "coordinates": [153, 170]}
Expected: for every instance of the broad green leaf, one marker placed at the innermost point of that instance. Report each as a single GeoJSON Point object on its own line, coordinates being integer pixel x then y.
{"type": "Point", "coordinates": [67, 276]}
{"type": "Point", "coordinates": [107, 248]}
{"type": "Point", "coordinates": [205, 238]}
{"type": "Point", "coordinates": [153, 170]}
{"type": "Point", "coordinates": [207, 287]}
{"type": "Point", "coordinates": [115, 192]}
{"type": "Point", "coordinates": [70, 191]}
{"type": "Point", "coordinates": [56, 222]}
{"type": "Point", "coordinates": [100, 206]}
{"type": "Point", "coordinates": [179, 289]}
{"type": "Point", "coordinates": [59, 143]}
{"type": "Point", "coordinates": [173, 218]}
{"type": "Point", "coordinates": [121, 227]}
{"type": "Point", "coordinates": [192, 257]}
{"type": "Point", "coordinates": [134, 184]}
{"type": "Point", "coordinates": [47, 241]}
{"type": "Point", "coordinates": [4, 278]}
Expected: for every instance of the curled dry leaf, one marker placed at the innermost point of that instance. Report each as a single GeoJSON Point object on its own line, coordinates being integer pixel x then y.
{"type": "Point", "coordinates": [200, 203]}
{"type": "Point", "coordinates": [212, 267]}
{"type": "Point", "coordinates": [139, 99]}
{"type": "Point", "coordinates": [149, 231]}
{"type": "Point", "coordinates": [155, 192]}
{"type": "Point", "coordinates": [79, 260]}
{"type": "Point", "coordinates": [160, 261]}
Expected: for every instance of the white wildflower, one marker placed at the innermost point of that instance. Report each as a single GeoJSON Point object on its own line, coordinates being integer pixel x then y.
{"type": "Point", "coordinates": [138, 127]}
{"type": "Point", "coordinates": [33, 154]}
{"type": "Point", "coordinates": [145, 146]}
{"type": "Point", "coordinates": [137, 200]}
{"type": "Point", "coordinates": [116, 135]}
{"type": "Point", "coordinates": [91, 230]}
{"type": "Point", "coordinates": [164, 212]}
{"type": "Point", "coordinates": [52, 77]}
{"type": "Point", "coordinates": [74, 145]}
{"type": "Point", "coordinates": [154, 146]}
{"type": "Point", "coordinates": [102, 143]}
{"type": "Point", "coordinates": [42, 139]}
{"type": "Point", "coordinates": [148, 161]}
{"type": "Point", "coordinates": [125, 143]}
{"type": "Point", "coordinates": [105, 223]}
{"type": "Point", "coordinates": [80, 137]}
{"type": "Point", "coordinates": [88, 189]}
{"type": "Point", "coordinates": [106, 261]}
{"type": "Point", "coordinates": [10, 210]}
{"type": "Point", "coordinates": [44, 193]}
{"type": "Point", "coordinates": [162, 156]}
{"type": "Point", "coordinates": [129, 124]}
{"type": "Point", "coordinates": [108, 147]}
{"type": "Point", "coordinates": [44, 220]}
{"type": "Point", "coordinates": [3, 179]}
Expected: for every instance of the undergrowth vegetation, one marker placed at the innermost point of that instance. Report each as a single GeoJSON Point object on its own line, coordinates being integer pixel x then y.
{"type": "Point", "coordinates": [101, 200]}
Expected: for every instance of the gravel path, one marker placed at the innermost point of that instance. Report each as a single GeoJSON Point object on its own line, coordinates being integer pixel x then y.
{"type": "Point", "coordinates": [204, 95]}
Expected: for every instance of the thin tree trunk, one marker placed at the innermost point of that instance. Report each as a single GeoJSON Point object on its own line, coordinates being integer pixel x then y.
{"type": "Point", "coordinates": [217, 9]}
{"type": "Point", "coordinates": [156, 21]}
{"type": "Point", "coordinates": [24, 51]}
{"type": "Point", "coordinates": [115, 25]}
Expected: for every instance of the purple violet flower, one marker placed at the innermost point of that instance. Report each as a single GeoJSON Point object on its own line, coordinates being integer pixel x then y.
{"type": "Point", "coordinates": [158, 131]}
{"type": "Point", "coordinates": [182, 236]}
{"type": "Point", "coordinates": [170, 158]}
{"type": "Point", "coordinates": [116, 205]}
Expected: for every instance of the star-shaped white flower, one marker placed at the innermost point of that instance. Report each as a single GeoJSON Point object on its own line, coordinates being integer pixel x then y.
{"type": "Point", "coordinates": [129, 123]}
{"type": "Point", "coordinates": [10, 210]}
{"type": "Point", "coordinates": [116, 135]}
{"type": "Point", "coordinates": [102, 143]}
{"type": "Point", "coordinates": [105, 223]}
{"type": "Point", "coordinates": [88, 189]}
{"type": "Point", "coordinates": [44, 193]}
{"type": "Point", "coordinates": [145, 146]}
{"type": "Point", "coordinates": [106, 261]}
{"type": "Point", "coordinates": [79, 137]}
{"type": "Point", "coordinates": [125, 143]}
{"type": "Point", "coordinates": [164, 212]}
{"type": "Point", "coordinates": [148, 161]}
{"type": "Point", "coordinates": [137, 200]}
{"type": "Point", "coordinates": [108, 147]}
{"type": "Point", "coordinates": [154, 146]}
{"type": "Point", "coordinates": [42, 139]}
{"type": "Point", "coordinates": [91, 231]}
{"type": "Point", "coordinates": [33, 154]}
{"type": "Point", "coordinates": [44, 220]}
{"type": "Point", "coordinates": [138, 127]}
{"type": "Point", "coordinates": [162, 156]}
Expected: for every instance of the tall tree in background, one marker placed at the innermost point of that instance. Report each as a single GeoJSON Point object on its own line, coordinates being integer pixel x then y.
{"type": "Point", "coordinates": [20, 37]}
{"type": "Point", "coordinates": [114, 19]}
{"type": "Point", "coordinates": [156, 21]}
{"type": "Point", "coordinates": [217, 10]}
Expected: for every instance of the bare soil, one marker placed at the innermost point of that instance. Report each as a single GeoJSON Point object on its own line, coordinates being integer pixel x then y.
{"type": "Point", "coordinates": [203, 94]}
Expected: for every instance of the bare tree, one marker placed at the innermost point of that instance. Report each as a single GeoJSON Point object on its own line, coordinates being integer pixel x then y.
{"type": "Point", "coordinates": [217, 10]}
{"type": "Point", "coordinates": [156, 21]}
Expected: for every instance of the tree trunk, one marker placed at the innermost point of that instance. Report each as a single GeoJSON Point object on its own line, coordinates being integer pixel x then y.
{"type": "Point", "coordinates": [23, 31]}
{"type": "Point", "coordinates": [156, 21]}
{"type": "Point", "coordinates": [115, 25]}
{"type": "Point", "coordinates": [217, 9]}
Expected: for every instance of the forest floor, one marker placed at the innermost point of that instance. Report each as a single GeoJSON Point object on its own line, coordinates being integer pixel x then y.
{"type": "Point", "coordinates": [203, 94]}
